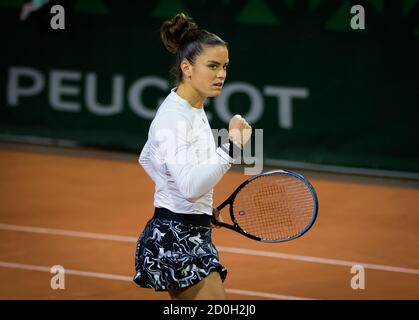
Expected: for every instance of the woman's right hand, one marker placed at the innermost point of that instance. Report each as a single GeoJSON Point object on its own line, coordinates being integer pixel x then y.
{"type": "Point", "coordinates": [239, 131]}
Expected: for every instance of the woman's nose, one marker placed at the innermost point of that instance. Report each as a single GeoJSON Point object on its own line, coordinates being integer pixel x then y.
{"type": "Point", "coordinates": [222, 74]}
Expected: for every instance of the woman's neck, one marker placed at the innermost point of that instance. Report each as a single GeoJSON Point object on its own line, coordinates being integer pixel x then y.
{"type": "Point", "coordinates": [189, 94]}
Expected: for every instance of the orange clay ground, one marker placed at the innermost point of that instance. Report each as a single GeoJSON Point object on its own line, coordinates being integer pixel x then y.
{"type": "Point", "coordinates": [373, 222]}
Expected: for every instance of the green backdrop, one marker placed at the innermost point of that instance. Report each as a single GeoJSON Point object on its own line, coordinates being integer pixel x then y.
{"type": "Point", "coordinates": [353, 95]}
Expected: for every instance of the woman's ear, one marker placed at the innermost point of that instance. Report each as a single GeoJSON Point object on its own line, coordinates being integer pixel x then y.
{"type": "Point", "coordinates": [186, 68]}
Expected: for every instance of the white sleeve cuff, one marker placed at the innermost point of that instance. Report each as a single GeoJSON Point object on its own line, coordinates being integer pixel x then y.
{"type": "Point", "coordinates": [223, 153]}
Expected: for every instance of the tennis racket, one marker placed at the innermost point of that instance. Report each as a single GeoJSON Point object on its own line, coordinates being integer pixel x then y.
{"type": "Point", "coordinates": [274, 206]}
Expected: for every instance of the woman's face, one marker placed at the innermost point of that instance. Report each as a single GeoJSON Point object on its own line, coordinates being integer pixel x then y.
{"type": "Point", "coordinates": [208, 73]}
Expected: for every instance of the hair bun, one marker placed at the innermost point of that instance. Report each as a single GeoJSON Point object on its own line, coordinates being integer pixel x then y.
{"type": "Point", "coordinates": [173, 31]}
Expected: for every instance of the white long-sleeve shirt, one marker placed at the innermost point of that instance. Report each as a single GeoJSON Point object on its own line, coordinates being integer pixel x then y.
{"type": "Point", "coordinates": [181, 157]}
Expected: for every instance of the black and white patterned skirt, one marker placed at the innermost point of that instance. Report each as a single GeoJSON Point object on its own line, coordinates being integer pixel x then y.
{"type": "Point", "coordinates": [175, 251]}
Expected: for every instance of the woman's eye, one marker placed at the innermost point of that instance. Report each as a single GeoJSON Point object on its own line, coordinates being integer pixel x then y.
{"type": "Point", "coordinates": [213, 67]}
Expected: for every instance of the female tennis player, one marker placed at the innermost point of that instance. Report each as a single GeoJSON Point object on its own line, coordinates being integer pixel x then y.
{"type": "Point", "coordinates": [175, 252]}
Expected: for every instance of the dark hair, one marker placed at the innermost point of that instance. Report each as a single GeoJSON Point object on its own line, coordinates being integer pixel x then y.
{"type": "Point", "coordinates": [182, 37]}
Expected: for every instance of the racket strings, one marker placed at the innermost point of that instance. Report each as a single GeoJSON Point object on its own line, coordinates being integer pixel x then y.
{"type": "Point", "coordinates": [274, 207]}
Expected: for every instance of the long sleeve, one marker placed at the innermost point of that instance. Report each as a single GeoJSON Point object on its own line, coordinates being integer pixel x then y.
{"type": "Point", "coordinates": [182, 149]}
{"type": "Point", "coordinates": [182, 158]}
{"type": "Point", "coordinates": [194, 180]}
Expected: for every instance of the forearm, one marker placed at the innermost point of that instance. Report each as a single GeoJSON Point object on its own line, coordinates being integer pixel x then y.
{"type": "Point", "coordinates": [196, 179]}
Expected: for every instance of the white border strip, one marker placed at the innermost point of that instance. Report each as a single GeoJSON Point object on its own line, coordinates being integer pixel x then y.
{"type": "Point", "coordinates": [69, 233]}
{"type": "Point", "coordinates": [270, 254]}
{"type": "Point", "coordinates": [341, 169]}
{"type": "Point", "coordinates": [118, 277]}
{"type": "Point", "coordinates": [334, 262]}
{"type": "Point", "coordinates": [39, 140]}
{"type": "Point", "coordinates": [21, 266]}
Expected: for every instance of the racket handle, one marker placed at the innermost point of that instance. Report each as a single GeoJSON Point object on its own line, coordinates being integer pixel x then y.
{"type": "Point", "coordinates": [214, 221]}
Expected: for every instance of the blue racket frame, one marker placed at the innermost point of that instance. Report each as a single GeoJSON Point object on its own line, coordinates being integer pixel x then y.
{"type": "Point", "coordinates": [236, 227]}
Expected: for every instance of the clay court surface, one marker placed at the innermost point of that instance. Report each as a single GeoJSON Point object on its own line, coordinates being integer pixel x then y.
{"type": "Point", "coordinates": [85, 212]}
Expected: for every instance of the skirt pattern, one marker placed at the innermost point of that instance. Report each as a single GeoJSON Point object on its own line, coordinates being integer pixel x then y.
{"type": "Point", "coordinates": [171, 255]}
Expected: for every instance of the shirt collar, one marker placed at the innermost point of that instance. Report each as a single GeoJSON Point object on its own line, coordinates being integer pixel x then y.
{"type": "Point", "coordinates": [184, 102]}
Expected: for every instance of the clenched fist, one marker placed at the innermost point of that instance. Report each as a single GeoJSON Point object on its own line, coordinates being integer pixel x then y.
{"type": "Point", "coordinates": [239, 131]}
